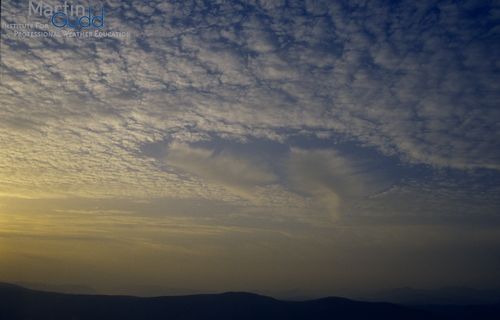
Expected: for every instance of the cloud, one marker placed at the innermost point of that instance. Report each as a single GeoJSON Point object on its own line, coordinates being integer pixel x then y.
{"type": "Point", "coordinates": [332, 178]}
{"type": "Point", "coordinates": [236, 174]}
{"type": "Point", "coordinates": [416, 82]}
{"type": "Point", "coordinates": [442, 198]}
{"type": "Point", "coordinates": [234, 72]}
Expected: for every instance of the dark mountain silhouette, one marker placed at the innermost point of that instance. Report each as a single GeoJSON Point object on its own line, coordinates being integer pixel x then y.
{"type": "Point", "coordinates": [20, 303]}
{"type": "Point", "coordinates": [442, 296]}
{"type": "Point", "coordinates": [61, 288]}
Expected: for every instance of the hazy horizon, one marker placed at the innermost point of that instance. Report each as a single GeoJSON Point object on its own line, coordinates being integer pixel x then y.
{"type": "Point", "coordinates": [311, 147]}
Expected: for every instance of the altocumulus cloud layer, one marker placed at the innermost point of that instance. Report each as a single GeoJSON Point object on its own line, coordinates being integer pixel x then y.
{"type": "Point", "coordinates": [320, 113]}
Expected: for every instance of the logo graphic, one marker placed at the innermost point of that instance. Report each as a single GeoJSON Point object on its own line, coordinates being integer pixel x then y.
{"type": "Point", "coordinates": [65, 20]}
{"type": "Point", "coordinates": [68, 15]}
{"type": "Point", "coordinates": [61, 19]}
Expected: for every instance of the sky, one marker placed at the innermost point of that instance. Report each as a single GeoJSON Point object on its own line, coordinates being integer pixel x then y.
{"type": "Point", "coordinates": [306, 147]}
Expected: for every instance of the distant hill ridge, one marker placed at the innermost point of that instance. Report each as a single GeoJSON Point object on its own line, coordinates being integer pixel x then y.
{"type": "Point", "coordinates": [17, 302]}
{"type": "Point", "coordinates": [445, 296]}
